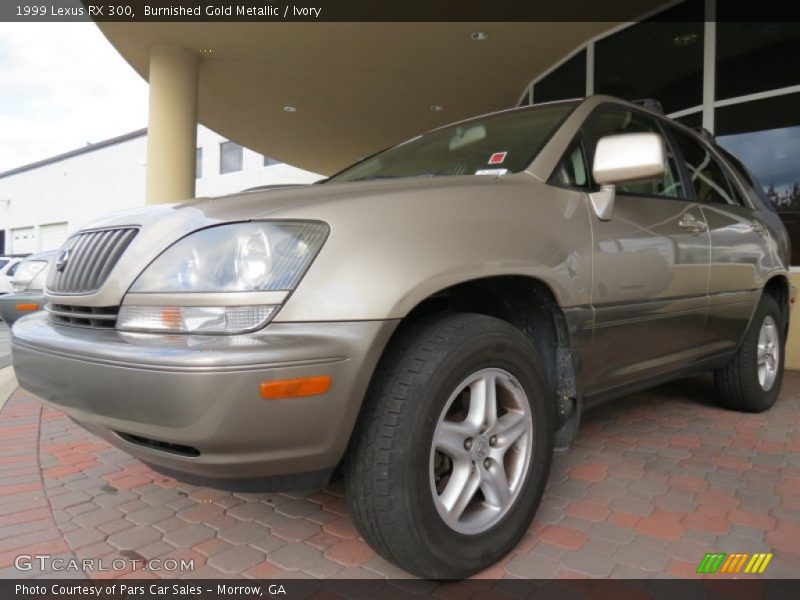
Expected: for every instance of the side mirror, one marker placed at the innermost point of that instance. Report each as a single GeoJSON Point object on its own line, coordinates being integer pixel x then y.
{"type": "Point", "coordinates": [625, 158]}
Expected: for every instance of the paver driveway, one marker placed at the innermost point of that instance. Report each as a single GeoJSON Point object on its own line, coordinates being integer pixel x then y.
{"type": "Point", "coordinates": [654, 482]}
{"type": "Point", "coordinates": [5, 351]}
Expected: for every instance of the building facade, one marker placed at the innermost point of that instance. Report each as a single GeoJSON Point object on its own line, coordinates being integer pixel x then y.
{"type": "Point", "coordinates": [43, 202]}
{"type": "Point", "coordinates": [707, 70]}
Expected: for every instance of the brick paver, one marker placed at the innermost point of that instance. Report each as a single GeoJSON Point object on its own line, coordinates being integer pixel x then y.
{"type": "Point", "coordinates": [654, 482]}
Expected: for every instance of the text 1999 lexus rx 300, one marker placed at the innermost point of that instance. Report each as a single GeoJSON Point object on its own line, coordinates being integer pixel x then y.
{"type": "Point", "coordinates": [434, 318]}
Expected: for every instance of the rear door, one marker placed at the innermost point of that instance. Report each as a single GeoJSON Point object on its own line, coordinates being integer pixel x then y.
{"type": "Point", "coordinates": [651, 270]}
{"type": "Point", "coordinates": [739, 245]}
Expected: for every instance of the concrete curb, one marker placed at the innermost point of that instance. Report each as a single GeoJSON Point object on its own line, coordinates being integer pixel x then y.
{"type": "Point", "coordinates": [8, 383]}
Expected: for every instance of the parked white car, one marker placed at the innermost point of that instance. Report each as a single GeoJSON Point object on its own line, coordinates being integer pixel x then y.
{"type": "Point", "coordinates": [8, 265]}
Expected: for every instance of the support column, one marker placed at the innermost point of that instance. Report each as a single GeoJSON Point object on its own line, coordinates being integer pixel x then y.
{"type": "Point", "coordinates": [172, 127]}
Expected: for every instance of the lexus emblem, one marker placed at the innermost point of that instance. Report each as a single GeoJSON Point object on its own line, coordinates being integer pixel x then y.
{"type": "Point", "coordinates": [62, 260]}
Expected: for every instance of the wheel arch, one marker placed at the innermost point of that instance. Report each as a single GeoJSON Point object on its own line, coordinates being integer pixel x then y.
{"type": "Point", "coordinates": [778, 287]}
{"type": "Point", "coordinates": [527, 303]}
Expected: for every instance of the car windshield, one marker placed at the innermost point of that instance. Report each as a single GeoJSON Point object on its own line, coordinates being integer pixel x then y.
{"type": "Point", "coordinates": [493, 145]}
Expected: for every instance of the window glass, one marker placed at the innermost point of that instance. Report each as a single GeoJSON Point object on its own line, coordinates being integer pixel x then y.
{"type": "Point", "coordinates": [660, 58]}
{"type": "Point", "coordinates": [13, 269]}
{"type": "Point", "coordinates": [752, 56]}
{"type": "Point", "coordinates": [230, 157]}
{"type": "Point", "coordinates": [3, 262]}
{"type": "Point", "coordinates": [491, 145]}
{"type": "Point", "coordinates": [765, 136]}
{"type": "Point", "coordinates": [572, 171]}
{"type": "Point", "coordinates": [198, 163]}
{"type": "Point", "coordinates": [618, 121]}
{"type": "Point", "coordinates": [526, 98]}
{"type": "Point", "coordinates": [268, 162]}
{"type": "Point", "coordinates": [566, 82]}
{"type": "Point", "coordinates": [693, 120]}
{"type": "Point", "coordinates": [706, 174]}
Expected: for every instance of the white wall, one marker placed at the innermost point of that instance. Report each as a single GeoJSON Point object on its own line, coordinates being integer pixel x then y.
{"type": "Point", "coordinates": [253, 172]}
{"type": "Point", "coordinates": [74, 190]}
{"type": "Point", "coordinates": [77, 189]}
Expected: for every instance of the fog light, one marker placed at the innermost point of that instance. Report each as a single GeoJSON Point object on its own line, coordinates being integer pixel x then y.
{"type": "Point", "coordinates": [194, 319]}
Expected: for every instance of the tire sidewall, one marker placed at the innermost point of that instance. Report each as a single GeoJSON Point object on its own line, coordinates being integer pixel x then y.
{"type": "Point", "coordinates": [517, 356]}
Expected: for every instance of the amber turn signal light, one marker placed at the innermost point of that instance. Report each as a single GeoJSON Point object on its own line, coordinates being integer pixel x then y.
{"type": "Point", "coordinates": [27, 307]}
{"type": "Point", "coordinates": [295, 388]}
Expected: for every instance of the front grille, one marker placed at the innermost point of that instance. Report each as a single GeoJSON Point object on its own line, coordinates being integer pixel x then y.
{"type": "Point", "coordinates": [99, 317]}
{"type": "Point", "coordinates": [90, 258]}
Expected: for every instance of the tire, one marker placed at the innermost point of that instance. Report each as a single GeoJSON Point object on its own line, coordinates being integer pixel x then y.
{"type": "Point", "coordinates": [393, 473]}
{"type": "Point", "coordinates": [740, 385]}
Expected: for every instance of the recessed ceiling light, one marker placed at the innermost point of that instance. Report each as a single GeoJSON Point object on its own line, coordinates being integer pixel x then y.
{"type": "Point", "coordinates": [686, 39]}
{"type": "Point", "coordinates": [478, 36]}
{"type": "Point", "coordinates": [437, 108]}
{"type": "Point", "coordinates": [289, 109]}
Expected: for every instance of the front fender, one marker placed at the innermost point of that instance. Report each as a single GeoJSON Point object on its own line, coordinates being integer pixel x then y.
{"type": "Point", "coordinates": [384, 257]}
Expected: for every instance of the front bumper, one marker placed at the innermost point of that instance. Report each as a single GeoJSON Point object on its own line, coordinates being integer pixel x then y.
{"type": "Point", "coordinates": [9, 303]}
{"type": "Point", "coordinates": [202, 393]}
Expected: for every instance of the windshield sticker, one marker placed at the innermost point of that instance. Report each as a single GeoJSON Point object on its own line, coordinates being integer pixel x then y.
{"type": "Point", "coordinates": [497, 158]}
{"type": "Point", "coordinates": [491, 171]}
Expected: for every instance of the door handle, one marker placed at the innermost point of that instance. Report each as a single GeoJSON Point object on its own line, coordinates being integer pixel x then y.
{"type": "Point", "coordinates": [689, 223]}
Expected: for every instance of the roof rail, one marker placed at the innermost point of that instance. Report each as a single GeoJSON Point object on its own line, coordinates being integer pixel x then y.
{"type": "Point", "coordinates": [650, 104]}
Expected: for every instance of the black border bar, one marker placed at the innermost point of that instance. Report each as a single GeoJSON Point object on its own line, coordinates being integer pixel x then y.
{"type": "Point", "coordinates": [407, 11]}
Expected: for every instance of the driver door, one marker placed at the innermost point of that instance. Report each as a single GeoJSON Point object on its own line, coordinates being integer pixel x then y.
{"type": "Point", "coordinates": [650, 270]}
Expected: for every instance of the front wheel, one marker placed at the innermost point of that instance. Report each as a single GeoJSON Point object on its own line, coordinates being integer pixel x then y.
{"type": "Point", "coordinates": [451, 455]}
{"type": "Point", "coordinates": [751, 382]}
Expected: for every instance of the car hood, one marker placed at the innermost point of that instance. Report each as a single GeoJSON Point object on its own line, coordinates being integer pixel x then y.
{"type": "Point", "coordinates": [334, 203]}
{"type": "Point", "coordinates": [281, 202]}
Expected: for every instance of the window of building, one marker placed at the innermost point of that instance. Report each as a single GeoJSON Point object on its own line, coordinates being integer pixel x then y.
{"type": "Point", "coordinates": [752, 56]}
{"type": "Point", "coordinates": [617, 121]}
{"type": "Point", "coordinates": [765, 136]}
{"type": "Point", "coordinates": [693, 120]}
{"type": "Point", "coordinates": [230, 157]}
{"type": "Point", "coordinates": [660, 58]}
{"type": "Point", "coordinates": [198, 163]}
{"type": "Point", "coordinates": [268, 162]}
{"type": "Point", "coordinates": [565, 82]}
{"type": "Point", "coordinates": [708, 178]}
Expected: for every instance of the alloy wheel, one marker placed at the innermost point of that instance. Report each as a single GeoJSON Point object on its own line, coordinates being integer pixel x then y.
{"type": "Point", "coordinates": [481, 451]}
{"type": "Point", "coordinates": [768, 355]}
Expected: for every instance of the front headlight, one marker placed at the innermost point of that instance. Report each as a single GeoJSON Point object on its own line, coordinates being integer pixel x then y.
{"type": "Point", "coordinates": [26, 273]}
{"type": "Point", "coordinates": [241, 257]}
{"type": "Point", "coordinates": [259, 256]}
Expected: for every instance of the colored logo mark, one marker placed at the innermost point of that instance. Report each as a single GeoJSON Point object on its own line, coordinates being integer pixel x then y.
{"type": "Point", "coordinates": [720, 562]}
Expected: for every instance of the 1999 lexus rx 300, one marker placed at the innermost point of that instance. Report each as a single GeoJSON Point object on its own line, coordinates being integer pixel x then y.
{"type": "Point", "coordinates": [434, 318]}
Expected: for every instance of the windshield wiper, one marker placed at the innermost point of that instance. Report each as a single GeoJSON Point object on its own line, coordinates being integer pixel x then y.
{"type": "Point", "coordinates": [374, 177]}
